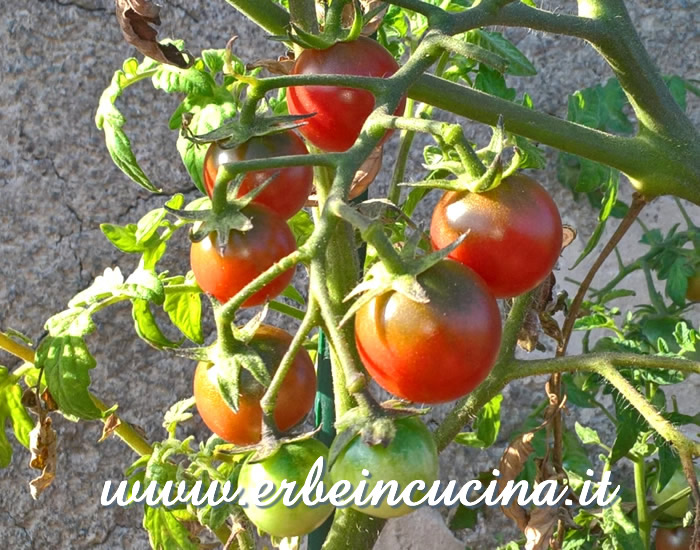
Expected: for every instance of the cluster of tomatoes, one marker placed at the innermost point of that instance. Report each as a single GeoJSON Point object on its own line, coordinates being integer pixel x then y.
{"type": "Point", "coordinates": [422, 352]}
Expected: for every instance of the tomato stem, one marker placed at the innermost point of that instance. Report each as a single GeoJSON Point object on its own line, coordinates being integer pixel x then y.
{"type": "Point", "coordinates": [640, 491]}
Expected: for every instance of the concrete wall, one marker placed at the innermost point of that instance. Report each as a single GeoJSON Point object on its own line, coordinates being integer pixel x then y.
{"type": "Point", "coordinates": [58, 184]}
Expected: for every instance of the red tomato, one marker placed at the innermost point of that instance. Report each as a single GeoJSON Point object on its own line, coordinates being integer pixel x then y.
{"type": "Point", "coordinates": [515, 233]}
{"type": "Point", "coordinates": [247, 255]}
{"type": "Point", "coordinates": [287, 193]}
{"type": "Point", "coordinates": [339, 112]}
{"type": "Point", "coordinates": [432, 352]}
{"type": "Point", "coordinates": [294, 401]}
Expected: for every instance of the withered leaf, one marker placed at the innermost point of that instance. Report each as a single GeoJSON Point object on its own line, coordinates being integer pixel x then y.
{"type": "Point", "coordinates": [42, 444]}
{"type": "Point", "coordinates": [111, 423]}
{"type": "Point", "coordinates": [135, 18]}
{"type": "Point", "coordinates": [512, 463]}
{"type": "Point", "coordinates": [540, 528]}
{"type": "Point", "coordinates": [282, 65]}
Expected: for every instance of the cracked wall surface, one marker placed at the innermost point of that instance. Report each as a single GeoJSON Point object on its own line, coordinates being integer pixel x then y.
{"type": "Point", "coordinates": [58, 184]}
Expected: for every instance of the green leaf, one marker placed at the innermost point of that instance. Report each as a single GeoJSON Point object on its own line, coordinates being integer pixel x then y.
{"type": "Point", "coordinates": [302, 226]}
{"type": "Point", "coordinates": [678, 90]}
{"type": "Point", "coordinates": [165, 532]}
{"type": "Point", "coordinates": [669, 464]}
{"type": "Point", "coordinates": [119, 148]}
{"type": "Point", "coordinates": [623, 533]}
{"type": "Point", "coordinates": [207, 115]}
{"type": "Point", "coordinates": [492, 82]}
{"type": "Point", "coordinates": [628, 428]}
{"type": "Point", "coordinates": [464, 518]}
{"type": "Point", "coordinates": [495, 42]}
{"type": "Point", "coordinates": [146, 326]}
{"type": "Point", "coordinates": [144, 284]}
{"type": "Point", "coordinates": [486, 426]}
{"type": "Point", "coordinates": [575, 458]}
{"type": "Point", "coordinates": [183, 305]}
{"type": "Point", "coordinates": [124, 238]}
{"type": "Point", "coordinates": [588, 436]}
{"type": "Point", "coordinates": [192, 81]}
{"type": "Point", "coordinates": [66, 361]}
{"type": "Point", "coordinates": [677, 280]}
{"type": "Point", "coordinates": [178, 412]}
{"type": "Point", "coordinates": [71, 322]}
{"type": "Point", "coordinates": [102, 287]}
{"type": "Point", "coordinates": [12, 411]}
{"type": "Point", "coordinates": [601, 107]}
{"type": "Point", "coordinates": [591, 244]}
{"type": "Point", "coordinates": [149, 224]}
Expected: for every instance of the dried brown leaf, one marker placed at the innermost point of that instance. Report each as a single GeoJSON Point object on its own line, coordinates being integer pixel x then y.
{"type": "Point", "coordinates": [135, 18]}
{"type": "Point", "coordinates": [540, 528]}
{"type": "Point", "coordinates": [42, 444]}
{"type": "Point", "coordinates": [510, 466]}
{"type": "Point", "coordinates": [282, 65]}
{"type": "Point", "coordinates": [569, 236]}
{"type": "Point", "coordinates": [111, 423]}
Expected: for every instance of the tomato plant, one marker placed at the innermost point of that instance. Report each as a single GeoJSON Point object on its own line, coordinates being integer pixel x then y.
{"type": "Point", "coordinates": [431, 352]}
{"type": "Point", "coordinates": [287, 193]}
{"type": "Point", "coordinates": [380, 300]}
{"type": "Point", "coordinates": [222, 273]}
{"type": "Point", "coordinates": [514, 233]}
{"type": "Point", "coordinates": [674, 539]}
{"type": "Point", "coordinates": [339, 112]}
{"type": "Point", "coordinates": [291, 462]}
{"type": "Point", "coordinates": [411, 456]}
{"type": "Point", "coordinates": [293, 403]}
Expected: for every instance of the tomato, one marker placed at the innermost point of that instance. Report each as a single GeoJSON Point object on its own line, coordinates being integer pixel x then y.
{"type": "Point", "coordinates": [677, 483]}
{"type": "Point", "coordinates": [294, 400]}
{"type": "Point", "coordinates": [674, 539]}
{"type": "Point", "coordinates": [339, 112]}
{"type": "Point", "coordinates": [291, 462]}
{"type": "Point", "coordinates": [287, 193]}
{"type": "Point", "coordinates": [246, 255]}
{"type": "Point", "coordinates": [411, 455]}
{"type": "Point", "coordinates": [515, 233]}
{"type": "Point", "coordinates": [693, 292]}
{"type": "Point", "coordinates": [436, 351]}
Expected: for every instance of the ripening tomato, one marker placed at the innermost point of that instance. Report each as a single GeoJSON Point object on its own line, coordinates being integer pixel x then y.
{"type": "Point", "coordinates": [287, 193]}
{"type": "Point", "coordinates": [291, 462]}
{"type": "Point", "coordinates": [693, 292]}
{"type": "Point", "coordinates": [411, 456]}
{"type": "Point", "coordinates": [431, 352]}
{"type": "Point", "coordinates": [515, 233]}
{"type": "Point", "coordinates": [339, 112]}
{"type": "Point", "coordinates": [674, 539]}
{"type": "Point", "coordinates": [294, 401]}
{"type": "Point", "coordinates": [246, 255]}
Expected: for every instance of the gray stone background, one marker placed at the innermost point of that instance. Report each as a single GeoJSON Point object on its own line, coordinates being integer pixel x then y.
{"type": "Point", "coordinates": [58, 184]}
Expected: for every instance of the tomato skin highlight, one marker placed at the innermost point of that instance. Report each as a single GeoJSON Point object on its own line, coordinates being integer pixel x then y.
{"type": "Point", "coordinates": [412, 455]}
{"type": "Point", "coordinates": [434, 352]}
{"type": "Point", "coordinates": [294, 401]}
{"type": "Point", "coordinates": [673, 539]}
{"type": "Point", "coordinates": [287, 193]}
{"type": "Point", "coordinates": [515, 233]}
{"type": "Point", "coordinates": [339, 112]}
{"type": "Point", "coordinates": [291, 462]}
{"type": "Point", "coordinates": [246, 255]}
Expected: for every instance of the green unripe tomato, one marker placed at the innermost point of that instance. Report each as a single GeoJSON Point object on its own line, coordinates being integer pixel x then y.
{"type": "Point", "coordinates": [291, 462]}
{"type": "Point", "coordinates": [411, 455]}
{"type": "Point", "coordinates": [677, 483]}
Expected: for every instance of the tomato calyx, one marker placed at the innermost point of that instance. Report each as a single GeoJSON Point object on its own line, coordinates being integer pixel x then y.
{"type": "Point", "coordinates": [267, 446]}
{"type": "Point", "coordinates": [385, 276]}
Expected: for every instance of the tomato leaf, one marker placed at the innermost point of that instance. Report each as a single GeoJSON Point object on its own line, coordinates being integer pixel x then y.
{"type": "Point", "coordinates": [628, 428]}
{"type": "Point", "coordinates": [124, 238]}
{"type": "Point", "coordinates": [66, 361]}
{"type": "Point", "coordinates": [12, 411]}
{"type": "Point", "coordinates": [302, 226]}
{"type": "Point", "coordinates": [622, 532]}
{"type": "Point", "coordinates": [575, 458]}
{"type": "Point", "coordinates": [165, 532]}
{"type": "Point", "coordinates": [486, 426]}
{"type": "Point", "coordinates": [517, 63]}
{"type": "Point", "coordinates": [183, 305]}
{"type": "Point", "coordinates": [601, 107]}
{"type": "Point", "coordinates": [144, 284]}
{"type": "Point", "coordinates": [669, 464]}
{"type": "Point", "coordinates": [588, 436]}
{"type": "Point", "coordinates": [464, 518]}
{"type": "Point", "coordinates": [146, 326]}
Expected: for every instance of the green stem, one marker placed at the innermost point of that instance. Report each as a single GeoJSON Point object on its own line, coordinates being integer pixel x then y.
{"type": "Point", "coordinates": [269, 400]}
{"type": "Point", "coordinates": [352, 529]}
{"type": "Point", "coordinates": [267, 14]}
{"type": "Point", "coordinates": [405, 143]}
{"type": "Point", "coordinates": [640, 491]}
